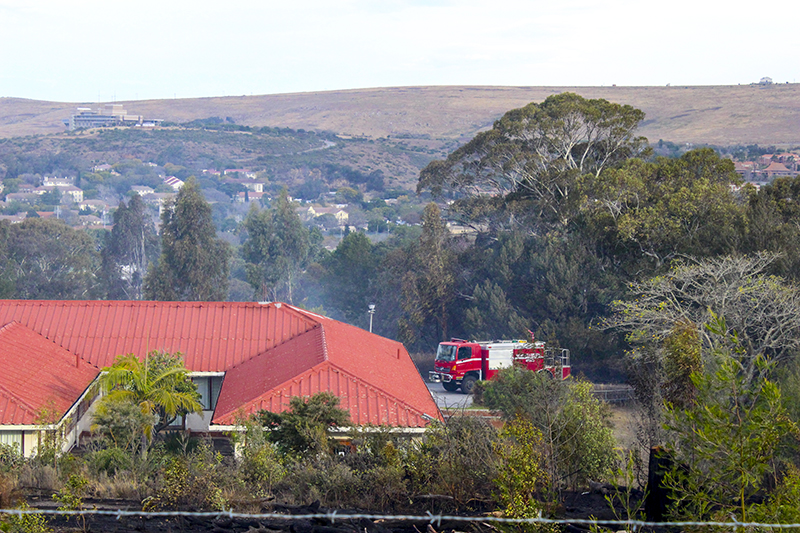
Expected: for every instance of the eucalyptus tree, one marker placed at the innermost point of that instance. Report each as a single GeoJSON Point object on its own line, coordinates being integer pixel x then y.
{"type": "Point", "coordinates": [46, 259]}
{"type": "Point", "coordinates": [276, 249]}
{"type": "Point", "coordinates": [537, 153]}
{"type": "Point", "coordinates": [194, 263]}
{"type": "Point", "coordinates": [130, 247]}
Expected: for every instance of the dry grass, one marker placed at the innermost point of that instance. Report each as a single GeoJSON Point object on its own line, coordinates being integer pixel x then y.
{"type": "Point", "coordinates": [709, 114]}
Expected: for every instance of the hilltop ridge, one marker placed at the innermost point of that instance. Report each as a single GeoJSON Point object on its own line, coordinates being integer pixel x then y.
{"type": "Point", "coordinates": [722, 115]}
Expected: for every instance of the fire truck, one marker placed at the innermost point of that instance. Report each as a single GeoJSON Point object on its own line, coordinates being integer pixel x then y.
{"type": "Point", "coordinates": [461, 363]}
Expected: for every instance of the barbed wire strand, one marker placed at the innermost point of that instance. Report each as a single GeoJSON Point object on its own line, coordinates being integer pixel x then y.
{"type": "Point", "coordinates": [428, 517]}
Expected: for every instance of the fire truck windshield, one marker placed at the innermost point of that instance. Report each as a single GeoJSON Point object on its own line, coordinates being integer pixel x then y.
{"type": "Point", "coordinates": [446, 353]}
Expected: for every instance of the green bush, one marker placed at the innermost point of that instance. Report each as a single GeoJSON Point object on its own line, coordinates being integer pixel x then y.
{"type": "Point", "coordinates": [110, 461]}
{"type": "Point", "coordinates": [10, 458]}
{"type": "Point", "coordinates": [578, 440]}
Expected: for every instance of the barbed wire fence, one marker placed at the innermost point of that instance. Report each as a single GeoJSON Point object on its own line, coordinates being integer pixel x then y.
{"type": "Point", "coordinates": [429, 518]}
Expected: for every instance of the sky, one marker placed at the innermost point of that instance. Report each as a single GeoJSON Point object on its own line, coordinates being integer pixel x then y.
{"type": "Point", "coordinates": [101, 51]}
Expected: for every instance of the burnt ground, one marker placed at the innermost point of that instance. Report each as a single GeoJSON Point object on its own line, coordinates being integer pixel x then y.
{"type": "Point", "coordinates": [576, 505]}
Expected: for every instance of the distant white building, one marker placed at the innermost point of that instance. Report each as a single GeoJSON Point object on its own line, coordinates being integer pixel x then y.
{"type": "Point", "coordinates": [108, 116]}
{"type": "Point", "coordinates": [173, 182]}
{"type": "Point", "coordinates": [141, 190]}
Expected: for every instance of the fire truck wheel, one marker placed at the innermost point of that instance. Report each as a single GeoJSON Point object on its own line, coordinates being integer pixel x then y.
{"type": "Point", "coordinates": [450, 386]}
{"type": "Point", "coordinates": [468, 384]}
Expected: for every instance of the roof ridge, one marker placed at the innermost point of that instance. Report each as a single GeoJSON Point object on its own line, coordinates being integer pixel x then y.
{"type": "Point", "coordinates": [8, 393]}
{"type": "Point", "coordinates": [59, 347]}
{"type": "Point", "coordinates": [7, 326]}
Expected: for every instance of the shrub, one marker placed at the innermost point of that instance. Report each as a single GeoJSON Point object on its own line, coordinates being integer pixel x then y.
{"type": "Point", "coordinates": [455, 460]}
{"type": "Point", "coordinates": [110, 461]}
{"type": "Point", "coordinates": [578, 440]}
{"type": "Point", "coordinates": [522, 474]}
{"type": "Point", "coordinates": [10, 458]}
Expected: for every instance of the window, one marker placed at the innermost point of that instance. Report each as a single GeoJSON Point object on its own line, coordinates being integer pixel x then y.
{"type": "Point", "coordinates": [12, 438]}
{"type": "Point", "coordinates": [208, 387]}
{"type": "Point", "coordinates": [465, 352]}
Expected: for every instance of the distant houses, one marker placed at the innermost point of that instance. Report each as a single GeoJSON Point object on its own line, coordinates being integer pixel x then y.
{"type": "Point", "coordinates": [768, 167]}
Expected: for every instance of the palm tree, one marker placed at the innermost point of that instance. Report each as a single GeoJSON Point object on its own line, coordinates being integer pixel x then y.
{"type": "Point", "coordinates": [159, 385]}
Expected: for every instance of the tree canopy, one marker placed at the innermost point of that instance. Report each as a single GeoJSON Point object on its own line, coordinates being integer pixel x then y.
{"type": "Point", "coordinates": [194, 263]}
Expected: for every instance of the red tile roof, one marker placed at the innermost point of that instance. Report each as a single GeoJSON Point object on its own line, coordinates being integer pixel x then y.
{"type": "Point", "coordinates": [213, 336]}
{"type": "Point", "coordinates": [374, 377]}
{"type": "Point", "coordinates": [38, 374]}
{"type": "Point", "coordinates": [269, 351]}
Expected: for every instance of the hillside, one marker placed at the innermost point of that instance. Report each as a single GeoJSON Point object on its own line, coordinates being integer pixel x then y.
{"type": "Point", "coordinates": [722, 115]}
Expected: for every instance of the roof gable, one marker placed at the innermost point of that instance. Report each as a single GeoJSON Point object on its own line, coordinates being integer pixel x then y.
{"type": "Point", "coordinates": [383, 363]}
{"type": "Point", "coordinates": [381, 366]}
{"type": "Point", "coordinates": [253, 378]}
{"type": "Point", "coordinates": [367, 405]}
{"type": "Point", "coordinates": [37, 374]}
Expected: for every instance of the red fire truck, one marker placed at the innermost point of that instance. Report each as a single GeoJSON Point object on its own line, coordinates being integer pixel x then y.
{"type": "Point", "coordinates": [461, 363]}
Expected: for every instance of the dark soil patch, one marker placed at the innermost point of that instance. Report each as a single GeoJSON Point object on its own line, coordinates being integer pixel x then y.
{"type": "Point", "coordinates": [576, 505]}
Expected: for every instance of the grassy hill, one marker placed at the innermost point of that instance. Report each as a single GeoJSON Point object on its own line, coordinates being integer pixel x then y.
{"type": "Point", "coordinates": [721, 115]}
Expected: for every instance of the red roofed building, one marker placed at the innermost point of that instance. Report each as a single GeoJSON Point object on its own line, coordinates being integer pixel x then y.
{"type": "Point", "coordinates": [776, 170]}
{"type": "Point", "coordinates": [243, 357]}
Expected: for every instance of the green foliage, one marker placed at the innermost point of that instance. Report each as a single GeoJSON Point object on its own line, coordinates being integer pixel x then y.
{"type": "Point", "coordinates": [113, 460]}
{"type": "Point", "coordinates": [782, 506]}
{"type": "Point", "coordinates": [623, 497]}
{"type": "Point", "coordinates": [723, 446]}
{"type": "Point", "coordinates": [429, 281]}
{"type": "Point", "coordinates": [70, 497]}
{"type": "Point", "coordinates": [159, 386]}
{"type": "Point", "coordinates": [10, 458]}
{"type": "Point", "coordinates": [578, 442]}
{"type": "Point", "coordinates": [457, 460]}
{"type": "Point", "coordinates": [130, 247]}
{"type": "Point", "coordinates": [350, 277]}
{"type": "Point", "coordinates": [46, 259]}
{"type": "Point", "coordinates": [194, 263]}
{"type": "Point", "coordinates": [492, 315]}
{"type": "Point", "coordinates": [682, 358]}
{"type": "Point", "coordinates": [760, 308]}
{"type": "Point", "coordinates": [275, 250]}
{"type": "Point", "coordinates": [654, 212]}
{"type": "Point", "coordinates": [301, 430]}
{"type": "Point", "coordinates": [522, 474]}
{"type": "Point", "coordinates": [24, 523]}
{"type": "Point", "coordinates": [531, 149]}
{"type": "Point", "coordinates": [260, 465]}
{"type": "Point", "coordinates": [121, 422]}
{"type": "Point", "coordinates": [193, 480]}
{"type": "Point", "coordinates": [173, 488]}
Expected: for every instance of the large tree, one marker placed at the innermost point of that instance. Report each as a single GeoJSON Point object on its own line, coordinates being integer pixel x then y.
{"type": "Point", "coordinates": [646, 214]}
{"type": "Point", "coordinates": [349, 278]}
{"type": "Point", "coordinates": [130, 247]}
{"type": "Point", "coordinates": [538, 152]}
{"type": "Point", "coordinates": [759, 309]}
{"type": "Point", "coordinates": [276, 249]}
{"type": "Point", "coordinates": [46, 259]}
{"type": "Point", "coordinates": [428, 287]}
{"type": "Point", "coordinates": [194, 263]}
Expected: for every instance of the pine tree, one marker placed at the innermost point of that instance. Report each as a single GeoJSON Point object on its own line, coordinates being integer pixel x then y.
{"type": "Point", "coordinates": [194, 263]}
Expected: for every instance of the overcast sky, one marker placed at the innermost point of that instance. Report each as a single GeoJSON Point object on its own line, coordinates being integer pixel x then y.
{"type": "Point", "coordinates": [104, 50]}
